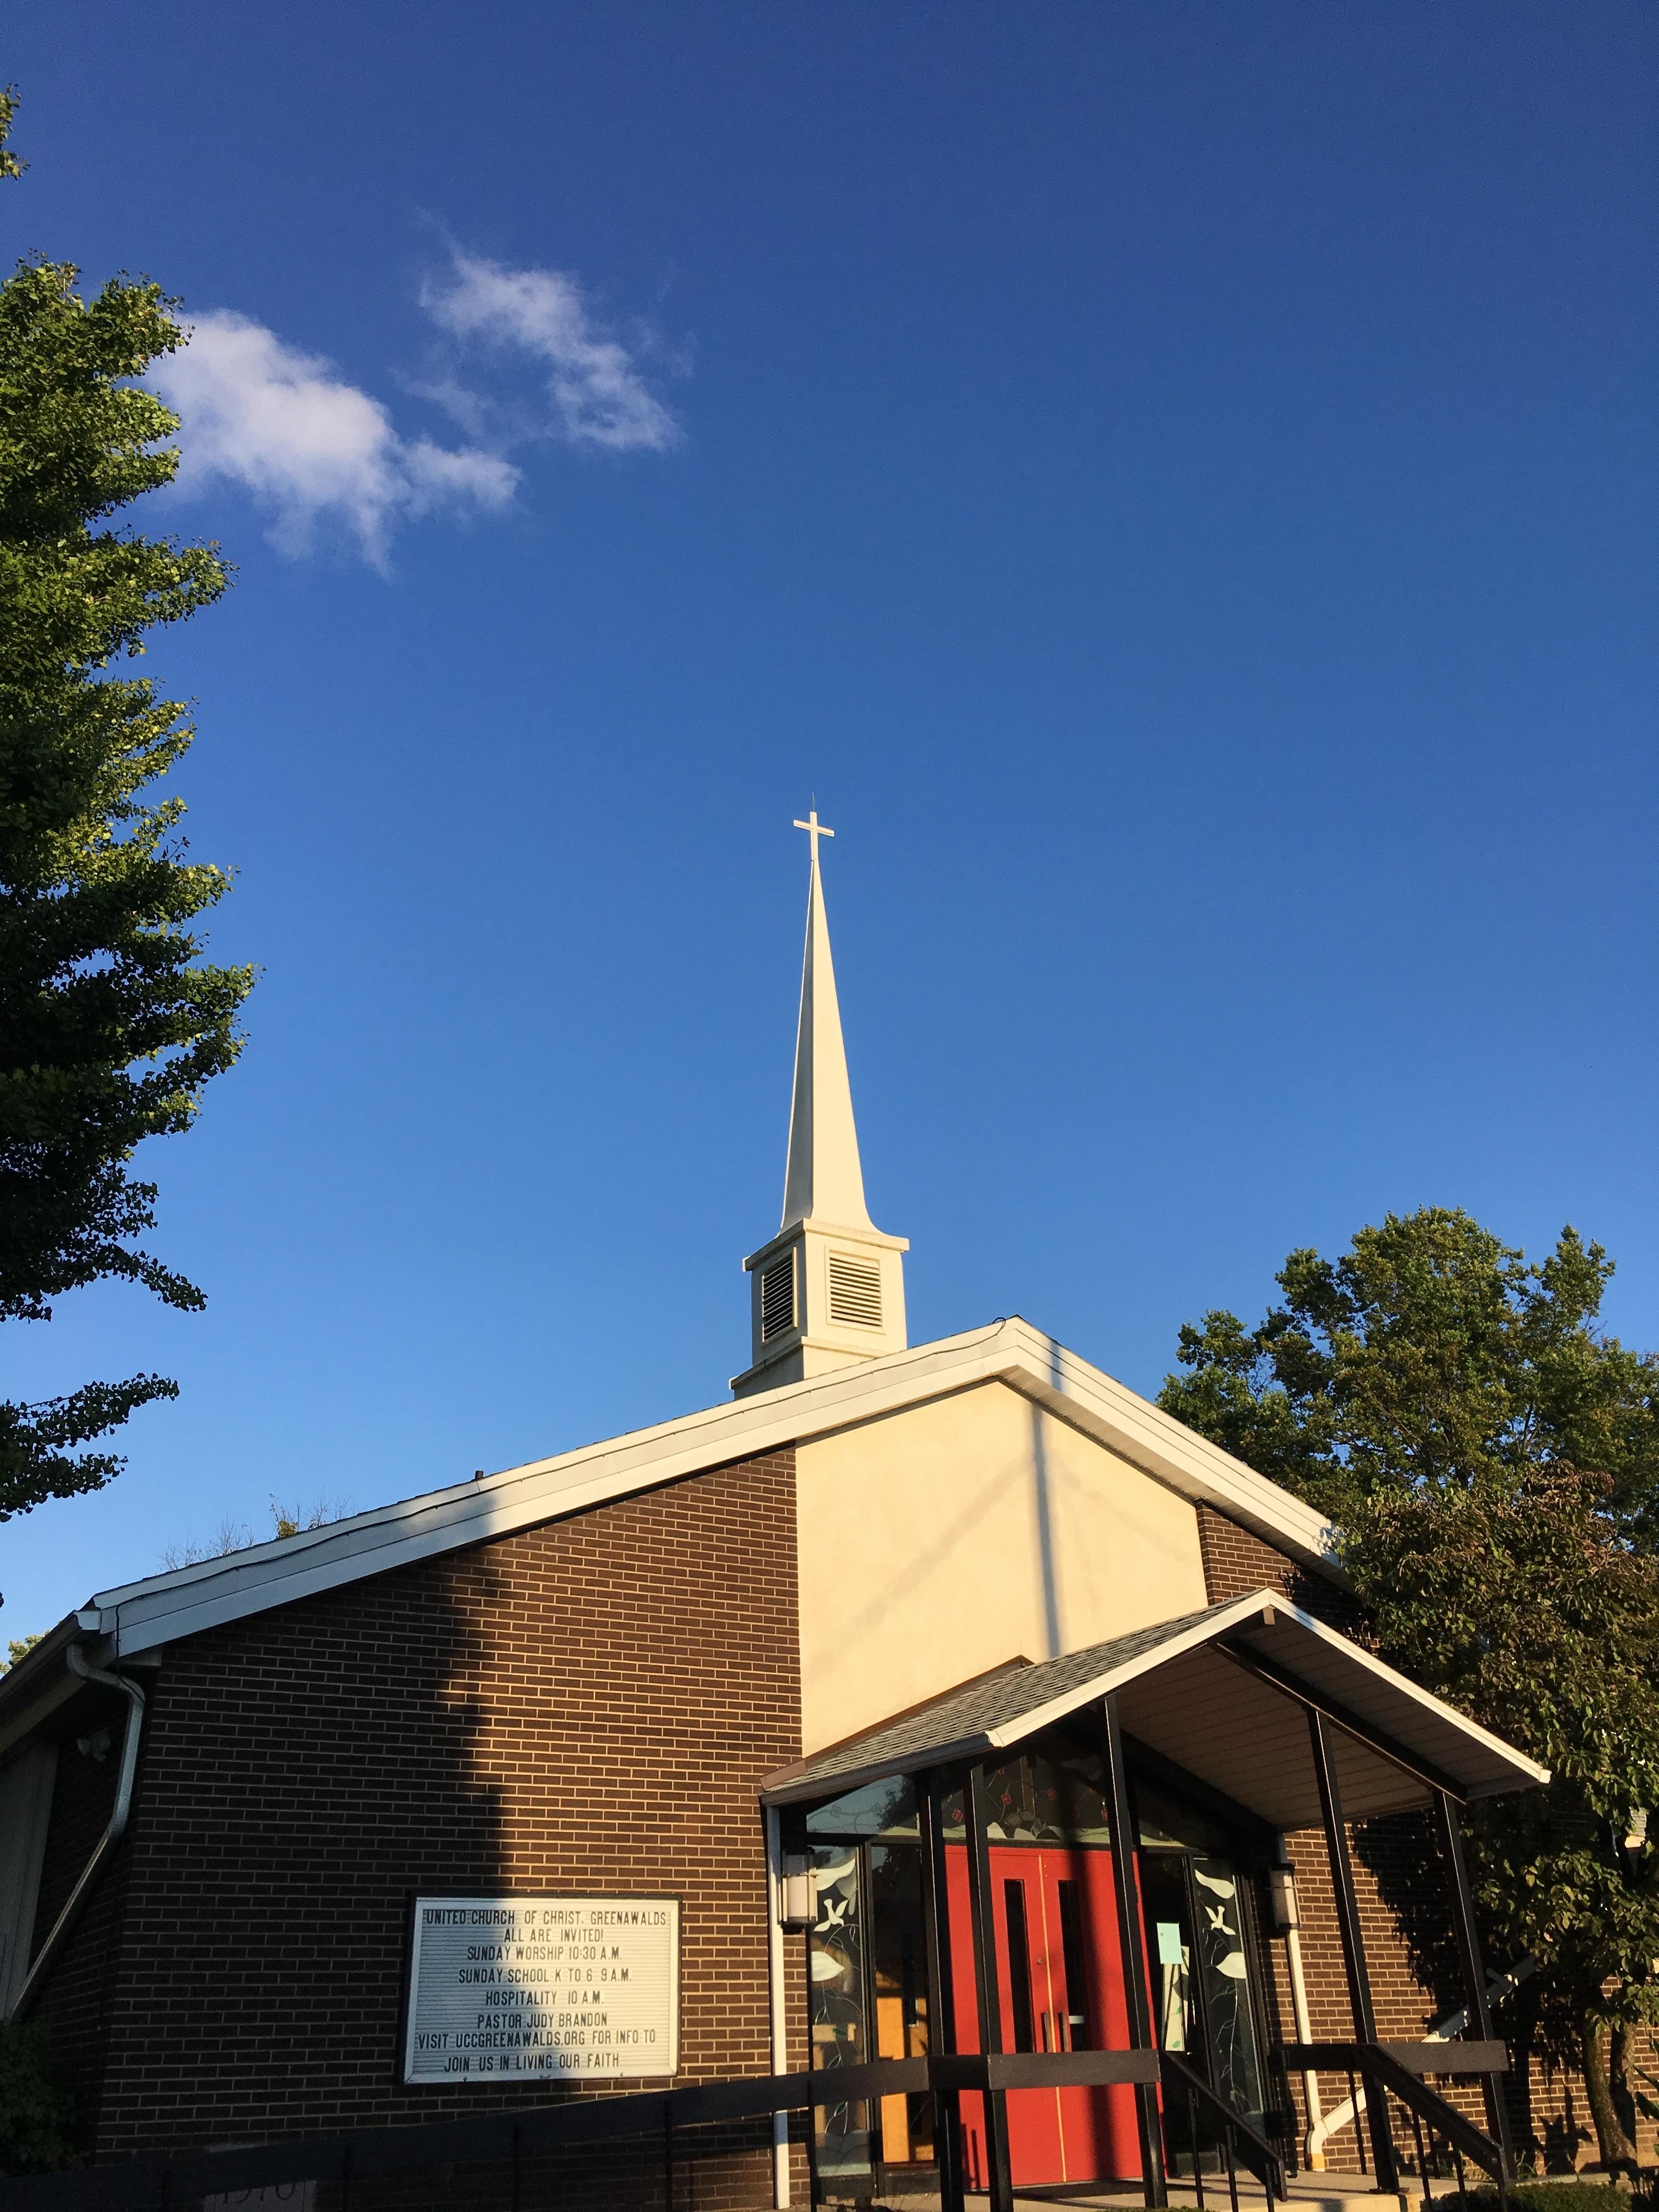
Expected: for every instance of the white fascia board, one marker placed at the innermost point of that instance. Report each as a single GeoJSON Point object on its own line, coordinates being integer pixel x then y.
{"type": "Point", "coordinates": [190, 1598]}
{"type": "Point", "coordinates": [1138, 1430]}
{"type": "Point", "coordinates": [1516, 1771]}
{"type": "Point", "coordinates": [162, 1607]}
{"type": "Point", "coordinates": [1523, 1772]}
{"type": "Point", "coordinates": [1215, 1623]}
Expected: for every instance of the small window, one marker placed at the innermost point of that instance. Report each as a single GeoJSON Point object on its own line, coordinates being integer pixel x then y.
{"type": "Point", "coordinates": [777, 1297]}
{"type": "Point", "coordinates": [855, 1292]}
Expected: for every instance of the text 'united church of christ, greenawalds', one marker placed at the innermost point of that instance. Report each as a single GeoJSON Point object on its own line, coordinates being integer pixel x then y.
{"type": "Point", "coordinates": [543, 1986]}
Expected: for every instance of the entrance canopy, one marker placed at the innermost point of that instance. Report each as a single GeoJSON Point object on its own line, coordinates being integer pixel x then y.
{"type": "Point", "coordinates": [1217, 1692]}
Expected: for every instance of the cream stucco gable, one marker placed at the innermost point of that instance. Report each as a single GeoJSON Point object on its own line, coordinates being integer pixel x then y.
{"type": "Point", "coordinates": [943, 1539]}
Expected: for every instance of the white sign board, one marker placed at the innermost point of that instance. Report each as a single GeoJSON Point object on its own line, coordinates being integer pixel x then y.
{"type": "Point", "coordinates": [542, 1988]}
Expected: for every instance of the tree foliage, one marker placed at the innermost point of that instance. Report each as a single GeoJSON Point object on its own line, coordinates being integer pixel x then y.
{"type": "Point", "coordinates": [111, 1021]}
{"type": "Point", "coordinates": [1430, 1356]}
{"type": "Point", "coordinates": [1490, 1459]}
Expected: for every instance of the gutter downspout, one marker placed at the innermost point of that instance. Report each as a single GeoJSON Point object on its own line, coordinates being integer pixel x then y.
{"type": "Point", "coordinates": [1316, 2129]}
{"type": "Point", "coordinates": [112, 1835]}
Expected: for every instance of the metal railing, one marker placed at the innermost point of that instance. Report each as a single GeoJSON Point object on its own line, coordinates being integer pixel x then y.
{"type": "Point", "coordinates": [1396, 2070]}
{"type": "Point", "coordinates": [1235, 2140]}
{"type": "Point", "coordinates": [341, 2162]}
{"type": "Point", "coordinates": [510, 2139]}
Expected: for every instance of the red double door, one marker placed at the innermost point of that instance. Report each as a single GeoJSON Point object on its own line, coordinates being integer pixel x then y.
{"type": "Point", "coordinates": [1060, 1986]}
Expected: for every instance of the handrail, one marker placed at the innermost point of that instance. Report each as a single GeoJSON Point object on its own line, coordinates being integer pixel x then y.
{"type": "Point", "coordinates": [1417, 2058]}
{"type": "Point", "coordinates": [142, 2184]}
{"type": "Point", "coordinates": [1266, 2164]}
{"type": "Point", "coordinates": [1400, 2066]}
{"type": "Point", "coordinates": [1035, 2070]}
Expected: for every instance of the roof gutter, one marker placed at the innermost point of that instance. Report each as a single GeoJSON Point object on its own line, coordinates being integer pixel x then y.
{"type": "Point", "coordinates": [75, 1904]}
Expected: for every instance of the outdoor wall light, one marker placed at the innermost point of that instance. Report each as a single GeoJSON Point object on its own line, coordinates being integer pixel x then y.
{"type": "Point", "coordinates": [798, 1894]}
{"type": "Point", "coordinates": [1283, 1909]}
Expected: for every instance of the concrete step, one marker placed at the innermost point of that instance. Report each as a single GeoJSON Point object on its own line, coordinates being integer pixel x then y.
{"type": "Point", "coordinates": [1308, 2192]}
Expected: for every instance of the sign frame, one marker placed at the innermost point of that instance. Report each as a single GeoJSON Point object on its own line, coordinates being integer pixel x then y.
{"type": "Point", "coordinates": [453, 1899]}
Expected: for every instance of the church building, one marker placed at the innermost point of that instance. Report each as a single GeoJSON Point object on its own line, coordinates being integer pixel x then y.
{"type": "Point", "coordinates": [937, 1740]}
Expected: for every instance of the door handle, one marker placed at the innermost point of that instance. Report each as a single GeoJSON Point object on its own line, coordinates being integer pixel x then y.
{"type": "Point", "coordinates": [1045, 2030]}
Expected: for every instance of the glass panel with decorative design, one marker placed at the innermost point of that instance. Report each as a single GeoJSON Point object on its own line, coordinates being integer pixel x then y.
{"type": "Point", "coordinates": [834, 1956]}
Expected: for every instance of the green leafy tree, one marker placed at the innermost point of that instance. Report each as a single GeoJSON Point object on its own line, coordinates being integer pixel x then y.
{"type": "Point", "coordinates": [1429, 1357]}
{"type": "Point", "coordinates": [1524, 1604]}
{"type": "Point", "coordinates": [111, 1021]}
{"type": "Point", "coordinates": [1490, 1461]}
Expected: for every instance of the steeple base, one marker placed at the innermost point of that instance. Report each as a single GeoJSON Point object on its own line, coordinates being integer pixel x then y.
{"type": "Point", "coordinates": [798, 1364]}
{"type": "Point", "coordinates": [822, 1297]}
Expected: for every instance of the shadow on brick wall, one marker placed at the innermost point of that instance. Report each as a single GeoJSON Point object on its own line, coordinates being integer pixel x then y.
{"type": "Point", "coordinates": [303, 1773]}
{"type": "Point", "coordinates": [583, 1706]}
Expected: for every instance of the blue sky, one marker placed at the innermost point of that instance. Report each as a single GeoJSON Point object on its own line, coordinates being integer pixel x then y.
{"type": "Point", "coordinates": [1177, 481]}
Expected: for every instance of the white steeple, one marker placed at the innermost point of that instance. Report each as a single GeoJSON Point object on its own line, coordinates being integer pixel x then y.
{"type": "Point", "coordinates": [829, 1289]}
{"type": "Point", "coordinates": [823, 1176]}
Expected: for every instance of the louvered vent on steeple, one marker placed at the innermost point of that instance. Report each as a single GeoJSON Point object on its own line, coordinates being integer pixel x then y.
{"type": "Point", "coordinates": [777, 1297]}
{"type": "Point", "coordinates": [854, 1291]}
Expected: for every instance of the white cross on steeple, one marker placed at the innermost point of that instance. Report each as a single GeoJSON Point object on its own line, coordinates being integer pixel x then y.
{"type": "Point", "coordinates": [815, 829]}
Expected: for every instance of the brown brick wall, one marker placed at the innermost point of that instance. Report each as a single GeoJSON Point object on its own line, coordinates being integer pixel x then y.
{"type": "Point", "coordinates": [1236, 1562]}
{"type": "Point", "coordinates": [587, 1705]}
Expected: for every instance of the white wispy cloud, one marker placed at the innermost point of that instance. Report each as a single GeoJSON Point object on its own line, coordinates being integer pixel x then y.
{"type": "Point", "coordinates": [600, 396]}
{"type": "Point", "coordinates": [313, 449]}
{"type": "Point", "coordinates": [287, 428]}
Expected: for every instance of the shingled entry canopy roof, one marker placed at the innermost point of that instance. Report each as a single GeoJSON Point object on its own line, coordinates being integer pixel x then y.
{"type": "Point", "coordinates": [1210, 1692]}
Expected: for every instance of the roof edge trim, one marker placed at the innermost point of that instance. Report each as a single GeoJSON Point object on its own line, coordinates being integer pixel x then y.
{"type": "Point", "coordinates": [163, 1607]}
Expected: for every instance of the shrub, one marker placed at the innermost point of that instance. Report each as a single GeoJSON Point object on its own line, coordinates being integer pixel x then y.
{"type": "Point", "coordinates": [1543, 2197]}
{"type": "Point", "coordinates": [37, 2114]}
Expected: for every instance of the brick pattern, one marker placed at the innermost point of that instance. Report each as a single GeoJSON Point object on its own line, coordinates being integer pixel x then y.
{"type": "Point", "coordinates": [587, 1705]}
{"type": "Point", "coordinates": [1237, 1562]}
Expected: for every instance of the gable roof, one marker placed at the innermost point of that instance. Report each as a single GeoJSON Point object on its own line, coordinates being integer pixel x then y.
{"type": "Point", "coordinates": [1231, 1729]}
{"type": "Point", "coordinates": [139, 1615]}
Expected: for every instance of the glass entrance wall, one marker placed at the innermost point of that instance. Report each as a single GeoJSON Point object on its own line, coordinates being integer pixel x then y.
{"type": "Point", "coordinates": [1059, 1980]}
{"type": "Point", "coordinates": [1195, 1893]}
{"type": "Point", "coordinates": [1224, 1979]}
{"type": "Point", "coordinates": [868, 1968]}
{"type": "Point", "coordinates": [898, 1986]}
{"type": "Point", "coordinates": [839, 2014]}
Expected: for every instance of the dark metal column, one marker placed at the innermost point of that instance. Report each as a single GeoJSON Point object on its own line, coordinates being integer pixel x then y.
{"type": "Point", "coordinates": [931, 1790]}
{"type": "Point", "coordinates": [995, 2101]}
{"type": "Point", "coordinates": [1353, 1947]}
{"type": "Point", "coordinates": [1130, 1942]}
{"type": "Point", "coordinates": [1475, 1969]}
